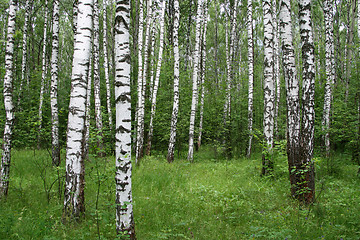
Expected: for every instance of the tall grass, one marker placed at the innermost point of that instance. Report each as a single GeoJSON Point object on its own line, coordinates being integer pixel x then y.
{"type": "Point", "coordinates": [209, 199]}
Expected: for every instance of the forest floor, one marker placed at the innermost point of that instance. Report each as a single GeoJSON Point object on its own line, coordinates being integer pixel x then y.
{"type": "Point", "coordinates": [208, 199]}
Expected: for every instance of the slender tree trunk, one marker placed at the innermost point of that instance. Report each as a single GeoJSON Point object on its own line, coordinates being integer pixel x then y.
{"type": "Point", "coordinates": [349, 40]}
{"type": "Point", "coordinates": [88, 104]}
{"type": "Point", "coordinates": [276, 70]}
{"type": "Point", "coordinates": [203, 71]}
{"type": "Point", "coordinates": [124, 207]}
{"type": "Point", "coordinates": [330, 71]}
{"type": "Point", "coordinates": [54, 87]}
{"type": "Point", "coordinates": [106, 65]}
{"type": "Point", "coordinates": [97, 97]}
{"type": "Point", "coordinates": [175, 111]}
{"type": "Point", "coordinates": [195, 82]}
{"type": "Point", "coordinates": [140, 107]}
{"type": "Point", "coordinates": [157, 78]}
{"type": "Point", "coordinates": [8, 102]}
{"type": "Point", "coordinates": [292, 92]}
{"type": "Point", "coordinates": [188, 40]}
{"type": "Point", "coordinates": [74, 204]}
{"type": "Point", "coordinates": [305, 169]}
{"type": "Point", "coordinates": [251, 74]}
{"type": "Point", "coordinates": [24, 77]}
{"type": "Point", "coordinates": [269, 88]}
{"type": "Point", "coordinates": [43, 74]}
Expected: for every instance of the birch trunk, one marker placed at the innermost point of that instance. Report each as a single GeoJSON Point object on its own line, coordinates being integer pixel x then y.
{"type": "Point", "coordinates": [88, 103]}
{"type": "Point", "coordinates": [43, 74]}
{"type": "Point", "coordinates": [24, 77]}
{"type": "Point", "coordinates": [251, 74]}
{"type": "Point", "coordinates": [269, 88]}
{"type": "Point", "coordinates": [175, 110]}
{"type": "Point", "coordinates": [74, 203]}
{"type": "Point", "coordinates": [157, 77]}
{"type": "Point", "coordinates": [124, 208]}
{"type": "Point", "coordinates": [203, 70]}
{"type": "Point", "coordinates": [54, 87]}
{"type": "Point", "coordinates": [190, 156]}
{"type": "Point", "coordinates": [276, 70]}
{"type": "Point", "coordinates": [305, 167]}
{"type": "Point", "coordinates": [292, 91]}
{"type": "Point", "coordinates": [330, 71]}
{"type": "Point", "coordinates": [8, 102]}
{"type": "Point", "coordinates": [106, 66]}
{"type": "Point", "coordinates": [140, 108]}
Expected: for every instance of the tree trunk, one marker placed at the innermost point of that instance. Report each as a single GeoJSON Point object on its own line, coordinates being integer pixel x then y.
{"type": "Point", "coordinates": [276, 70]}
{"type": "Point", "coordinates": [194, 99]}
{"type": "Point", "coordinates": [54, 87]}
{"type": "Point", "coordinates": [106, 65]}
{"type": "Point", "coordinates": [43, 74]}
{"type": "Point", "coordinates": [157, 78]}
{"type": "Point", "coordinates": [349, 40]}
{"type": "Point", "coordinates": [175, 111]}
{"type": "Point", "coordinates": [124, 208]}
{"type": "Point", "coordinates": [269, 88]}
{"type": "Point", "coordinates": [140, 87]}
{"type": "Point", "coordinates": [203, 71]}
{"type": "Point", "coordinates": [8, 103]}
{"type": "Point", "coordinates": [292, 92]}
{"type": "Point", "coordinates": [74, 203]}
{"type": "Point", "coordinates": [330, 71]}
{"type": "Point", "coordinates": [251, 74]}
{"type": "Point", "coordinates": [305, 170]}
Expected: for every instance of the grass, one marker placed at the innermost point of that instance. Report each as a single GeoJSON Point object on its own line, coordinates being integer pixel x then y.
{"type": "Point", "coordinates": [209, 199]}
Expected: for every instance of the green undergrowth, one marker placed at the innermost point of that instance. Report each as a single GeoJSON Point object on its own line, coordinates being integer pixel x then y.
{"type": "Point", "coordinates": [207, 199]}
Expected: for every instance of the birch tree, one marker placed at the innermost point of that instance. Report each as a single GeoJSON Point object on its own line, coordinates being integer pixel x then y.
{"type": "Point", "coordinates": [74, 203]}
{"type": "Point", "coordinates": [330, 71]}
{"type": "Point", "coordinates": [8, 102]}
{"type": "Point", "coordinates": [97, 98]}
{"type": "Point", "coordinates": [194, 98]}
{"type": "Point", "coordinates": [157, 77]}
{"type": "Point", "coordinates": [305, 167]}
{"type": "Point", "coordinates": [292, 91]}
{"type": "Point", "coordinates": [175, 110]}
{"type": "Point", "coordinates": [203, 71]}
{"type": "Point", "coordinates": [54, 86]}
{"type": "Point", "coordinates": [276, 69]}
{"type": "Point", "coordinates": [124, 206]}
{"type": "Point", "coordinates": [269, 90]}
{"type": "Point", "coordinates": [140, 88]}
{"type": "Point", "coordinates": [43, 72]}
{"type": "Point", "coordinates": [251, 74]}
{"type": "Point", "coordinates": [106, 65]}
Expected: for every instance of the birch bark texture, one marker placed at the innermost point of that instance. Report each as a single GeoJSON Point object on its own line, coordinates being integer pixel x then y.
{"type": "Point", "coordinates": [305, 169]}
{"type": "Point", "coordinates": [54, 87]}
{"type": "Point", "coordinates": [157, 76]}
{"type": "Point", "coordinates": [74, 203]}
{"type": "Point", "coordinates": [124, 207]}
{"type": "Point", "coordinates": [276, 69]}
{"type": "Point", "coordinates": [8, 102]}
{"type": "Point", "coordinates": [251, 74]}
{"type": "Point", "coordinates": [330, 71]}
{"type": "Point", "coordinates": [292, 91]}
{"type": "Point", "coordinates": [175, 110]}
{"type": "Point", "coordinates": [194, 98]}
{"type": "Point", "coordinates": [269, 89]}
{"type": "Point", "coordinates": [43, 72]}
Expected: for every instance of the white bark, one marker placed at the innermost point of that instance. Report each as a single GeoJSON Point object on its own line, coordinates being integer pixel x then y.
{"type": "Point", "coordinates": [195, 84]}
{"type": "Point", "coordinates": [124, 207]}
{"type": "Point", "coordinates": [203, 70]}
{"type": "Point", "coordinates": [175, 111]}
{"type": "Point", "coordinates": [54, 86]}
{"type": "Point", "coordinates": [276, 68]}
{"type": "Point", "coordinates": [251, 74]}
{"type": "Point", "coordinates": [88, 103]}
{"type": "Point", "coordinates": [269, 86]}
{"type": "Point", "coordinates": [106, 65]}
{"type": "Point", "coordinates": [43, 72]}
{"type": "Point", "coordinates": [74, 185]}
{"type": "Point", "coordinates": [97, 98]}
{"type": "Point", "coordinates": [330, 70]}
{"type": "Point", "coordinates": [8, 102]}
{"type": "Point", "coordinates": [140, 87]}
{"type": "Point", "coordinates": [157, 76]}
